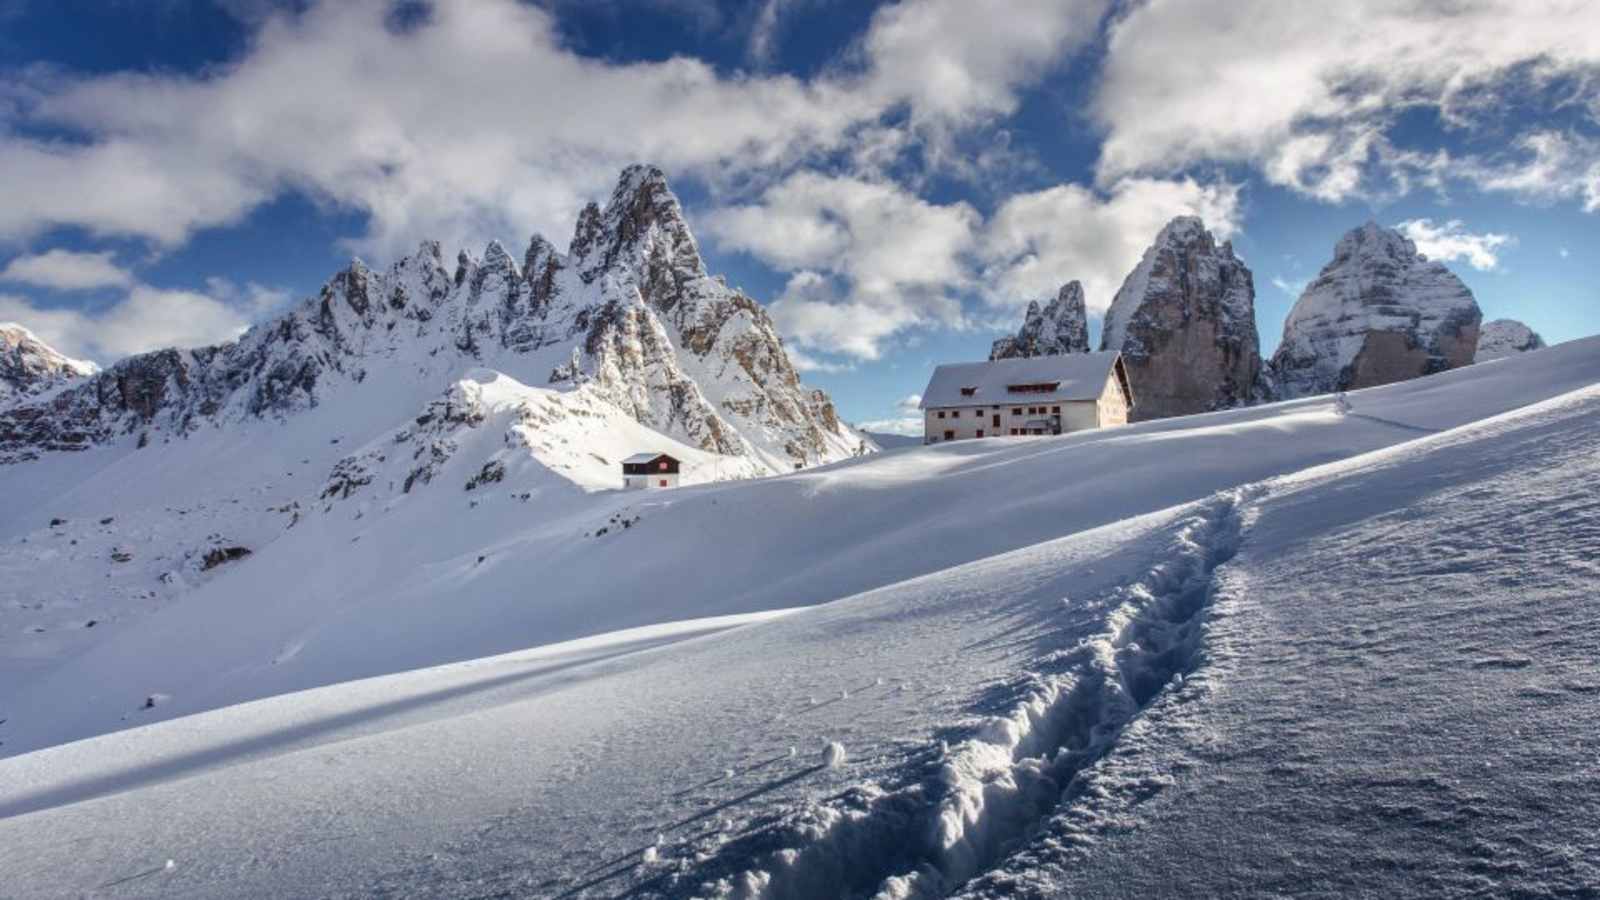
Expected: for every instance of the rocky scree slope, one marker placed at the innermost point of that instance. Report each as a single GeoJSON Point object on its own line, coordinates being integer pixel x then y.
{"type": "Point", "coordinates": [628, 310]}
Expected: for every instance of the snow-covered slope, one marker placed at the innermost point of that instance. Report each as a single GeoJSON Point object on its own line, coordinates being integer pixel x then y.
{"type": "Point", "coordinates": [1185, 322]}
{"type": "Point", "coordinates": [1134, 682]}
{"type": "Point", "coordinates": [1506, 337]}
{"type": "Point", "coordinates": [1378, 312]}
{"type": "Point", "coordinates": [30, 367]}
{"type": "Point", "coordinates": [386, 580]}
{"type": "Point", "coordinates": [1061, 326]}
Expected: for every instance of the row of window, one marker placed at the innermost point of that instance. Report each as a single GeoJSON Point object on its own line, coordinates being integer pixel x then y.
{"type": "Point", "coordinates": [1015, 411]}
{"type": "Point", "coordinates": [951, 435]}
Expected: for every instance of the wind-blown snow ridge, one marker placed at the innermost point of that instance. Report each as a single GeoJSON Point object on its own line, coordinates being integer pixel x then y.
{"type": "Point", "coordinates": [989, 793]}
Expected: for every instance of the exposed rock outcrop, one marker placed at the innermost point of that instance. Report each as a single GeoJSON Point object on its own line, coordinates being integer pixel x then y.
{"type": "Point", "coordinates": [30, 367]}
{"type": "Point", "coordinates": [1061, 326]}
{"type": "Point", "coordinates": [1379, 312]}
{"type": "Point", "coordinates": [1506, 337]}
{"type": "Point", "coordinates": [1185, 323]}
{"type": "Point", "coordinates": [629, 310]}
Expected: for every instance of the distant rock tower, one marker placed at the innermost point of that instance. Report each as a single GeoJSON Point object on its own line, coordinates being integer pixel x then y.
{"type": "Point", "coordinates": [1060, 327]}
{"type": "Point", "coordinates": [1379, 312]}
{"type": "Point", "coordinates": [1185, 322]}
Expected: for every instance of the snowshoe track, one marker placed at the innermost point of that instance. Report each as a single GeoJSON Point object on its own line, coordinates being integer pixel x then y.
{"type": "Point", "coordinates": [993, 791]}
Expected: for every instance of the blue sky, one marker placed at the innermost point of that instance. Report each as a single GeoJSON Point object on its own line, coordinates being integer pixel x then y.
{"type": "Point", "coordinates": [894, 180]}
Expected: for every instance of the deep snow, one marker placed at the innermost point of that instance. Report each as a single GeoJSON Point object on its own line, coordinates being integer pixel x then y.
{"type": "Point", "coordinates": [1329, 621]}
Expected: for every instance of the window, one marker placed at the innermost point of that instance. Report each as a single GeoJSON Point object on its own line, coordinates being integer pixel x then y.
{"type": "Point", "coordinates": [949, 435]}
{"type": "Point", "coordinates": [941, 413]}
{"type": "Point", "coordinates": [1016, 410]}
{"type": "Point", "coordinates": [996, 422]}
{"type": "Point", "coordinates": [1056, 410]}
{"type": "Point", "coordinates": [955, 413]}
{"type": "Point", "coordinates": [663, 482]}
{"type": "Point", "coordinates": [1044, 387]}
{"type": "Point", "coordinates": [663, 465]}
{"type": "Point", "coordinates": [968, 391]}
{"type": "Point", "coordinates": [980, 432]}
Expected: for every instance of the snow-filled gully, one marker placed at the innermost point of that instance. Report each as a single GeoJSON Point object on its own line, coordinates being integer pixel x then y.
{"type": "Point", "coordinates": [994, 790]}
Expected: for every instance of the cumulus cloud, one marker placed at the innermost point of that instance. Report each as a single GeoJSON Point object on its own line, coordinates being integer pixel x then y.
{"type": "Point", "coordinates": [1036, 242]}
{"type": "Point", "coordinates": [66, 270]}
{"type": "Point", "coordinates": [1452, 241]}
{"type": "Point", "coordinates": [146, 318]}
{"type": "Point", "coordinates": [1309, 93]}
{"type": "Point", "coordinates": [867, 258]}
{"type": "Point", "coordinates": [478, 121]}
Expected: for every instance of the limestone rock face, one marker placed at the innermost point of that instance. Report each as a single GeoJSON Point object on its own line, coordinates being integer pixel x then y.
{"type": "Point", "coordinates": [1379, 312]}
{"type": "Point", "coordinates": [1185, 323]}
{"type": "Point", "coordinates": [30, 367]}
{"type": "Point", "coordinates": [1506, 337]}
{"type": "Point", "coordinates": [1062, 326]}
{"type": "Point", "coordinates": [629, 311]}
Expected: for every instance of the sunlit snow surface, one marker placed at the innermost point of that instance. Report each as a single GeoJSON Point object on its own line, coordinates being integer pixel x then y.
{"type": "Point", "coordinates": [1275, 651]}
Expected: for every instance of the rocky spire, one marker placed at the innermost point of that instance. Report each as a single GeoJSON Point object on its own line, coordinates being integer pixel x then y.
{"type": "Point", "coordinates": [1062, 326]}
{"type": "Point", "coordinates": [1185, 323]}
{"type": "Point", "coordinates": [641, 232]}
{"type": "Point", "coordinates": [1378, 312]}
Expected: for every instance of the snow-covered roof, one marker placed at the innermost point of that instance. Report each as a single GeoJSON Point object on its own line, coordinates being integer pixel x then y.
{"type": "Point", "coordinates": [1071, 376]}
{"type": "Point", "coordinates": [638, 458]}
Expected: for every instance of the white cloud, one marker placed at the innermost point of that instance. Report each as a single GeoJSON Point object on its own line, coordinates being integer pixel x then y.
{"type": "Point", "coordinates": [867, 258]}
{"type": "Point", "coordinates": [909, 403]}
{"type": "Point", "coordinates": [1309, 93]}
{"type": "Point", "coordinates": [146, 318]}
{"type": "Point", "coordinates": [481, 121]}
{"type": "Point", "coordinates": [65, 270]}
{"type": "Point", "coordinates": [909, 426]}
{"type": "Point", "coordinates": [1564, 252]}
{"type": "Point", "coordinates": [1036, 242]}
{"type": "Point", "coordinates": [1292, 288]}
{"type": "Point", "coordinates": [1553, 166]}
{"type": "Point", "coordinates": [805, 362]}
{"type": "Point", "coordinates": [1451, 241]}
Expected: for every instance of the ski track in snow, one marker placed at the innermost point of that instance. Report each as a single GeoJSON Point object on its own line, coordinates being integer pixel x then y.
{"type": "Point", "coordinates": [926, 839]}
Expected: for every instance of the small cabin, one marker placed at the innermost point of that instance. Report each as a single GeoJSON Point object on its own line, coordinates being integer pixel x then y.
{"type": "Point", "coordinates": [1031, 396]}
{"type": "Point", "coordinates": [643, 471]}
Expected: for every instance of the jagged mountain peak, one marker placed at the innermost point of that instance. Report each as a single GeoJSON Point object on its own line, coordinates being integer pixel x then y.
{"type": "Point", "coordinates": [1061, 326]}
{"type": "Point", "coordinates": [29, 366]}
{"type": "Point", "coordinates": [632, 313]}
{"type": "Point", "coordinates": [642, 226]}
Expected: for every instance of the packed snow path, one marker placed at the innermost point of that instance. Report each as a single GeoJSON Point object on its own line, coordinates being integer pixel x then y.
{"type": "Point", "coordinates": [1086, 715]}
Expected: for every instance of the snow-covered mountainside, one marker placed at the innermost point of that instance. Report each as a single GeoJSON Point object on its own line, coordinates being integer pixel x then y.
{"type": "Point", "coordinates": [1062, 326]}
{"type": "Point", "coordinates": [1506, 337]}
{"type": "Point", "coordinates": [1185, 322]}
{"type": "Point", "coordinates": [1246, 653]}
{"type": "Point", "coordinates": [1379, 312]}
{"type": "Point", "coordinates": [30, 367]}
{"type": "Point", "coordinates": [629, 309]}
